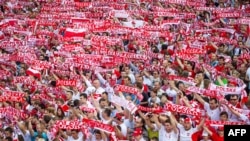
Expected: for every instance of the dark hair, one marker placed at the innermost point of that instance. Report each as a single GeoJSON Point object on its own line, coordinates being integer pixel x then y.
{"type": "Point", "coordinates": [76, 102]}
{"type": "Point", "coordinates": [9, 129]}
{"type": "Point", "coordinates": [84, 95]}
{"type": "Point", "coordinates": [70, 92]}
{"type": "Point", "coordinates": [47, 118]}
{"type": "Point", "coordinates": [9, 139]}
{"type": "Point", "coordinates": [221, 58]}
{"type": "Point", "coordinates": [216, 101]}
{"type": "Point", "coordinates": [139, 85]}
{"type": "Point", "coordinates": [97, 132]}
{"type": "Point", "coordinates": [105, 93]}
{"type": "Point", "coordinates": [164, 46]}
{"type": "Point", "coordinates": [108, 112]}
{"type": "Point", "coordinates": [127, 78]}
{"type": "Point", "coordinates": [53, 83]}
{"type": "Point", "coordinates": [20, 138]}
{"type": "Point", "coordinates": [101, 100]}
{"type": "Point", "coordinates": [224, 113]}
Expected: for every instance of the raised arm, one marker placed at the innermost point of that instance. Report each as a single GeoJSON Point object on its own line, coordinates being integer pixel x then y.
{"type": "Point", "coordinates": [146, 119]}
{"type": "Point", "coordinates": [173, 123]}
{"type": "Point", "coordinates": [100, 78]}
{"type": "Point", "coordinates": [180, 63]}
{"type": "Point", "coordinates": [199, 98]}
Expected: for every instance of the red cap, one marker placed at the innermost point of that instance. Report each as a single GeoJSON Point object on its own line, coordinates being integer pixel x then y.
{"type": "Point", "coordinates": [220, 128]}
{"type": "Point", "coordinates": [137, 132]}
{"type": "Point", "coordinates": [188, 120]}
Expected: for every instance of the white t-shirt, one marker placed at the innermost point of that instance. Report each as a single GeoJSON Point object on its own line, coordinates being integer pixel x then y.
{"type": "Point", "coordinates": [100, 90]}
{"type": "Point", "coordinates": [186, 135]}
{"type": "Point", "coordinates": [80, 137]}
{"type": "Point", "coordinates": [165, 136]}
{"type": "Point", "coordinates": [171, 92]}
{"type": "Point", "coordinates": [124, 129]}
{"type": "Point", "coordinates": [213, 114]}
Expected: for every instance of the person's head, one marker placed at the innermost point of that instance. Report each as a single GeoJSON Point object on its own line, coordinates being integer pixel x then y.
{"type": "Point", "coordinates": [83, 98]}
{"type": "Point", "coordinates": [224, 116]}
{"type": "Point", "coordinates": [98, 135]}
{"type": "Point", "coordinates": [199, 76]}
{"type": "Point", "coordinates": [127, 69]}
{"type": "Point", "coordinates": [220, 131]}
{"type": "Point", "coordinates": [127, 80]}
{"type": "Point", "coordinates": [213, 57]}
{"type": "Point", "coordinates": [181, 86]}
{"type": "Point", "coordinates": [235, 73]}
{"type": "Point", "coordinates": [155, 74]}
{"type": "Point", "coordinates": [60, 112]}
{"type": "Point", "coordinates": [189, 66]}
{"type": "Point", "coordinates": [233, 99]}
{"type": "Point", "coordinates": [157, 85]}
{"type": "Point", "coordinates": [221, 60]}
{"type": "Point", "coordinates": [168, 126]}
{"type": "Point", "coordinates": [74, 134]}
{"type": "Point", "coordinates": [69, 95]}
{"type": "Point", "coordinates": [242, 68]}
{"type": "Point", "coordinates": [213, 103]}
{"type": "Point", "coordinates": [39, 128]}
{"type": "Point", "coordinates": [139, 78]}
{"type": "Point", "coordinates": [8, 132]}
{"type": "Point", "coordinates": [96, 84]}
{"type": "Point", "coordinates": [205, 136]}
{"type": "Point", "coordinates": [187, 124]}
{"type": "Point", "coordinates": [139, 86]}
{"type": "Point", "coordinates": [221, 47]}
{"type": "Point", "coordinates": [139, 122]}
{"type": "Point", "coordinates": [103, 103]}
{"type": "Point", "coordinates": [105, 95]}
{"type": "Point", "coordinates": [106, 113]}
{"type": "Point", "coordinates": [153, 93]}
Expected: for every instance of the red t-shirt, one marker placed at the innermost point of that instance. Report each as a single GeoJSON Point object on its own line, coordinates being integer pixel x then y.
{"type": "Point", "coordinates": [220, 68]}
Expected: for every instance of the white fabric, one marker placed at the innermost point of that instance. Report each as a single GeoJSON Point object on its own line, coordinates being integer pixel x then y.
{"type": "Point", "coordinates": [213, 114]}
{"type": "Point", "coordinates": [165, 136]}
{"type": "Point", "coordinates": [186, 135]}
{"type": "Point", "coordinates": [80, 137]}
{"type": "Point", "coordinates": [171, 93]}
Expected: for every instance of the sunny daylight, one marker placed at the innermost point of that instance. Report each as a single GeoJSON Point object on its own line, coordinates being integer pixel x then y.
{"type": "Point", "coordinates": [124, 70]}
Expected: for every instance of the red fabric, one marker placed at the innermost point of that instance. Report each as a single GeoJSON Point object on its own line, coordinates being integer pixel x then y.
{"type": "Point", "coordinates": [216, 137]}
{"type": "Point", "coordinates": [145, 88]}
{"type": "Point", "coordinates": [33, 72]}
{"type": "Point", "coordinates": [192, 72]}
{"type": "Point", "coordinates": [117, 73]}
{"type": "Point", "coordinates": [210, 48]}
{"type": "Point", "coordinates": [137, 132]}
{"type": "Point", "coordinates": [220, 68]}
{"type": "Point", "coordinates": [65, 108]}
{"type": "Point", "coordinates": [197, 135]}
{"type": "Point", "coordinates": [74, 33]}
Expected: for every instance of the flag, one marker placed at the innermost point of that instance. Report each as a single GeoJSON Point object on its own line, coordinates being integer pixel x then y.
{"type": "Point", "coordinates": [69, 32]}
{"type": "Point", "coordinates": [34, 73]}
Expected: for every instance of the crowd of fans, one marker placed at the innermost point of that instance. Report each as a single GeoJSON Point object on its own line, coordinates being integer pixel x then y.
{"type": "Point", "coordinates": [140, 70]}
